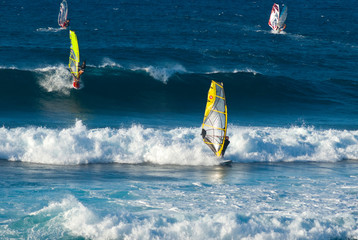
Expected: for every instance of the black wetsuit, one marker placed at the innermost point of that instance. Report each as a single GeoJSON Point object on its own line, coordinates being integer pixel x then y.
{"type": "Point", "coordinates": [83, 66]}
{"type": "Point", "coordinates": [227, 142]}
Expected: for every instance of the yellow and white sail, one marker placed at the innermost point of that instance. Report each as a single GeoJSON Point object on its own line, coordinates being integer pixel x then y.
{"type": "Point", "coordinates": [74, 55]}
{"type": "Point", "coordinates": [215, 119]}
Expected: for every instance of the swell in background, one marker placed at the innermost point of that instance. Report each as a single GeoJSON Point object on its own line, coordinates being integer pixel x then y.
{"type": "Point", "coordinates": [176, 95]}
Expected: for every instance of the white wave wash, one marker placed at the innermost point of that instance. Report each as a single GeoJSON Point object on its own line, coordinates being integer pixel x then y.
{"type": "Point", "coordinates": [214, 212]}
{"type": "Point", "coordinates": [50, 29]}
{"type": "Point", "coordinates": [55, 79]}
{"type": "Point", "coordinates": [182, 146]}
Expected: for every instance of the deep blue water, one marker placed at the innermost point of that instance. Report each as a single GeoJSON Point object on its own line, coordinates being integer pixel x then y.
{"type": "Point", "coordinates": [292, 106]}
{"type": "Point", "coordinates": [159, 57]}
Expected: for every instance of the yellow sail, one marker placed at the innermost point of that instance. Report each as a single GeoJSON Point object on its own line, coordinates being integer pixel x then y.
{"type": "Point", "coordinates": [215, 118]}
{"type": "Point", "coordinates": [74, 55]}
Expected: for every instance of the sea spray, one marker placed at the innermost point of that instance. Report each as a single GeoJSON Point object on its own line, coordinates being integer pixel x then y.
{"type": "Point", "coordinates": [55, 79]}
{"type": "Point", "coordinates": [162, 73]}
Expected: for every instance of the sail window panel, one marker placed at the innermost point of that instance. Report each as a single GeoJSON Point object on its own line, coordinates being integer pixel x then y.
{"type": "Point", "coordinates": [214, 136]}
{"type": "Point", "coordinates": [216, 120]}
{"type": "Point", "coordinates": [219, 91]}
{"type": "Point", "coordinates": [214, 128]}
{"type": "Point", "coordinates": [219, 105]}
{"type": "Point", "coordinates": [283, 16]}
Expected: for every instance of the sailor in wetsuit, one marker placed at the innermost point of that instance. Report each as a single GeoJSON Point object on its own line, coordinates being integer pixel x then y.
{"type": "Point", "coordinates": [66, 23]}
{"type": "Point", "coordinates": [227, 142]}
{"type": "Point", "coordinates": [76, 81]}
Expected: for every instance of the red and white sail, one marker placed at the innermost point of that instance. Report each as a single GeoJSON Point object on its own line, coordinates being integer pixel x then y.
{"type": "Point", "coordinates": [274, 17]}
{"type": "Point", "coordinates": [62, 15]}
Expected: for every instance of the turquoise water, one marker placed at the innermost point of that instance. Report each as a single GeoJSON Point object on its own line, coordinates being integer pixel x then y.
{"type": "Point", "coordinates": [146, 201]}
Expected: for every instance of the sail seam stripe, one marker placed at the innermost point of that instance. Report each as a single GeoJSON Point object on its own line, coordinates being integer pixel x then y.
{"type": "Point", "coordinates": [213, 127]}
{"type": "Point", "coordinates": [217, 111]}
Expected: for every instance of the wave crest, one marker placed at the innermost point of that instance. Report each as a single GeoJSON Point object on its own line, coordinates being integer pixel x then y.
{"type": "Point", "coordinates": [55, 79]}
{"type": "Point", "coordinates": [162, 73]}
{"type": "Point", "coordinates": [180, 146]}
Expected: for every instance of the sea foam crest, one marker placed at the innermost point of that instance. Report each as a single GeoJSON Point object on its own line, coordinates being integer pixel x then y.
{"type": "Point", "coordinates": [272, 144]}
{"type": "Point", "coordinates": [181, 146]}
{"type": "Point", "coordinates": [79, 145]}
{"type": "Point", "coordinates": [162, 73]}
{"type": "Point", "coordinates": [55, 79]}
{"type": "Point", "coordinates": [107, 62]}
{"type": "Point", "coordinates": [244, 70]}
{"type": "Point", "coordinates": [8, 67]}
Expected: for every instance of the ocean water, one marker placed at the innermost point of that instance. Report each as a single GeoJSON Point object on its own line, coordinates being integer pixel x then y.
{"type": "Point", "coordinates": [122, 158]}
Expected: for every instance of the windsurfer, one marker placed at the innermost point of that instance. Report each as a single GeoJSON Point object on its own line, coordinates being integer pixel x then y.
{"type": "Point", "coordinates": [82, 68]}
{"type": "Point", "coordinates": [227, 142]}
{"type": "Point", "coordinates": [66, 23]}
{"type": "Point", "coordinates": [76, 80]}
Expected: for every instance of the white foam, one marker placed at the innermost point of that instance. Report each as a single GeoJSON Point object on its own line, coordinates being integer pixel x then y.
{"type": "Point", "coordinates": [55, 79]}
{"type": "Point", "coordinates": [244, 70]}
{"type": "Point", "coordinates": [181, 146]}
{"type": "Point", "coordinates": [107, 62]}
{"type": "Point", "coordinates": [50, 29]}
{"type": "Point", "coordinates": [78, 145]}
{"type": "Point", "coordinates": [9, 67]}
{"type": "Point", "coordinates": [278, 32]}
{"type": "Point", "coordinates": [162, 73]}
{"type": "Point", "coordinates": [292, 144]}
{"type": "Point", "coordinates": [212, 220]}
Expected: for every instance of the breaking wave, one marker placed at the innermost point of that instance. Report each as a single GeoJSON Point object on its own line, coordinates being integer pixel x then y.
{"type": "Point", "coordinates": [55, 79]}
{"type": "Point", "coordinates": [179, 146]}
{"type": "Point", "coordinates": [217, 216]}
{"type": "Point", "coordinates": [112, 86]}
